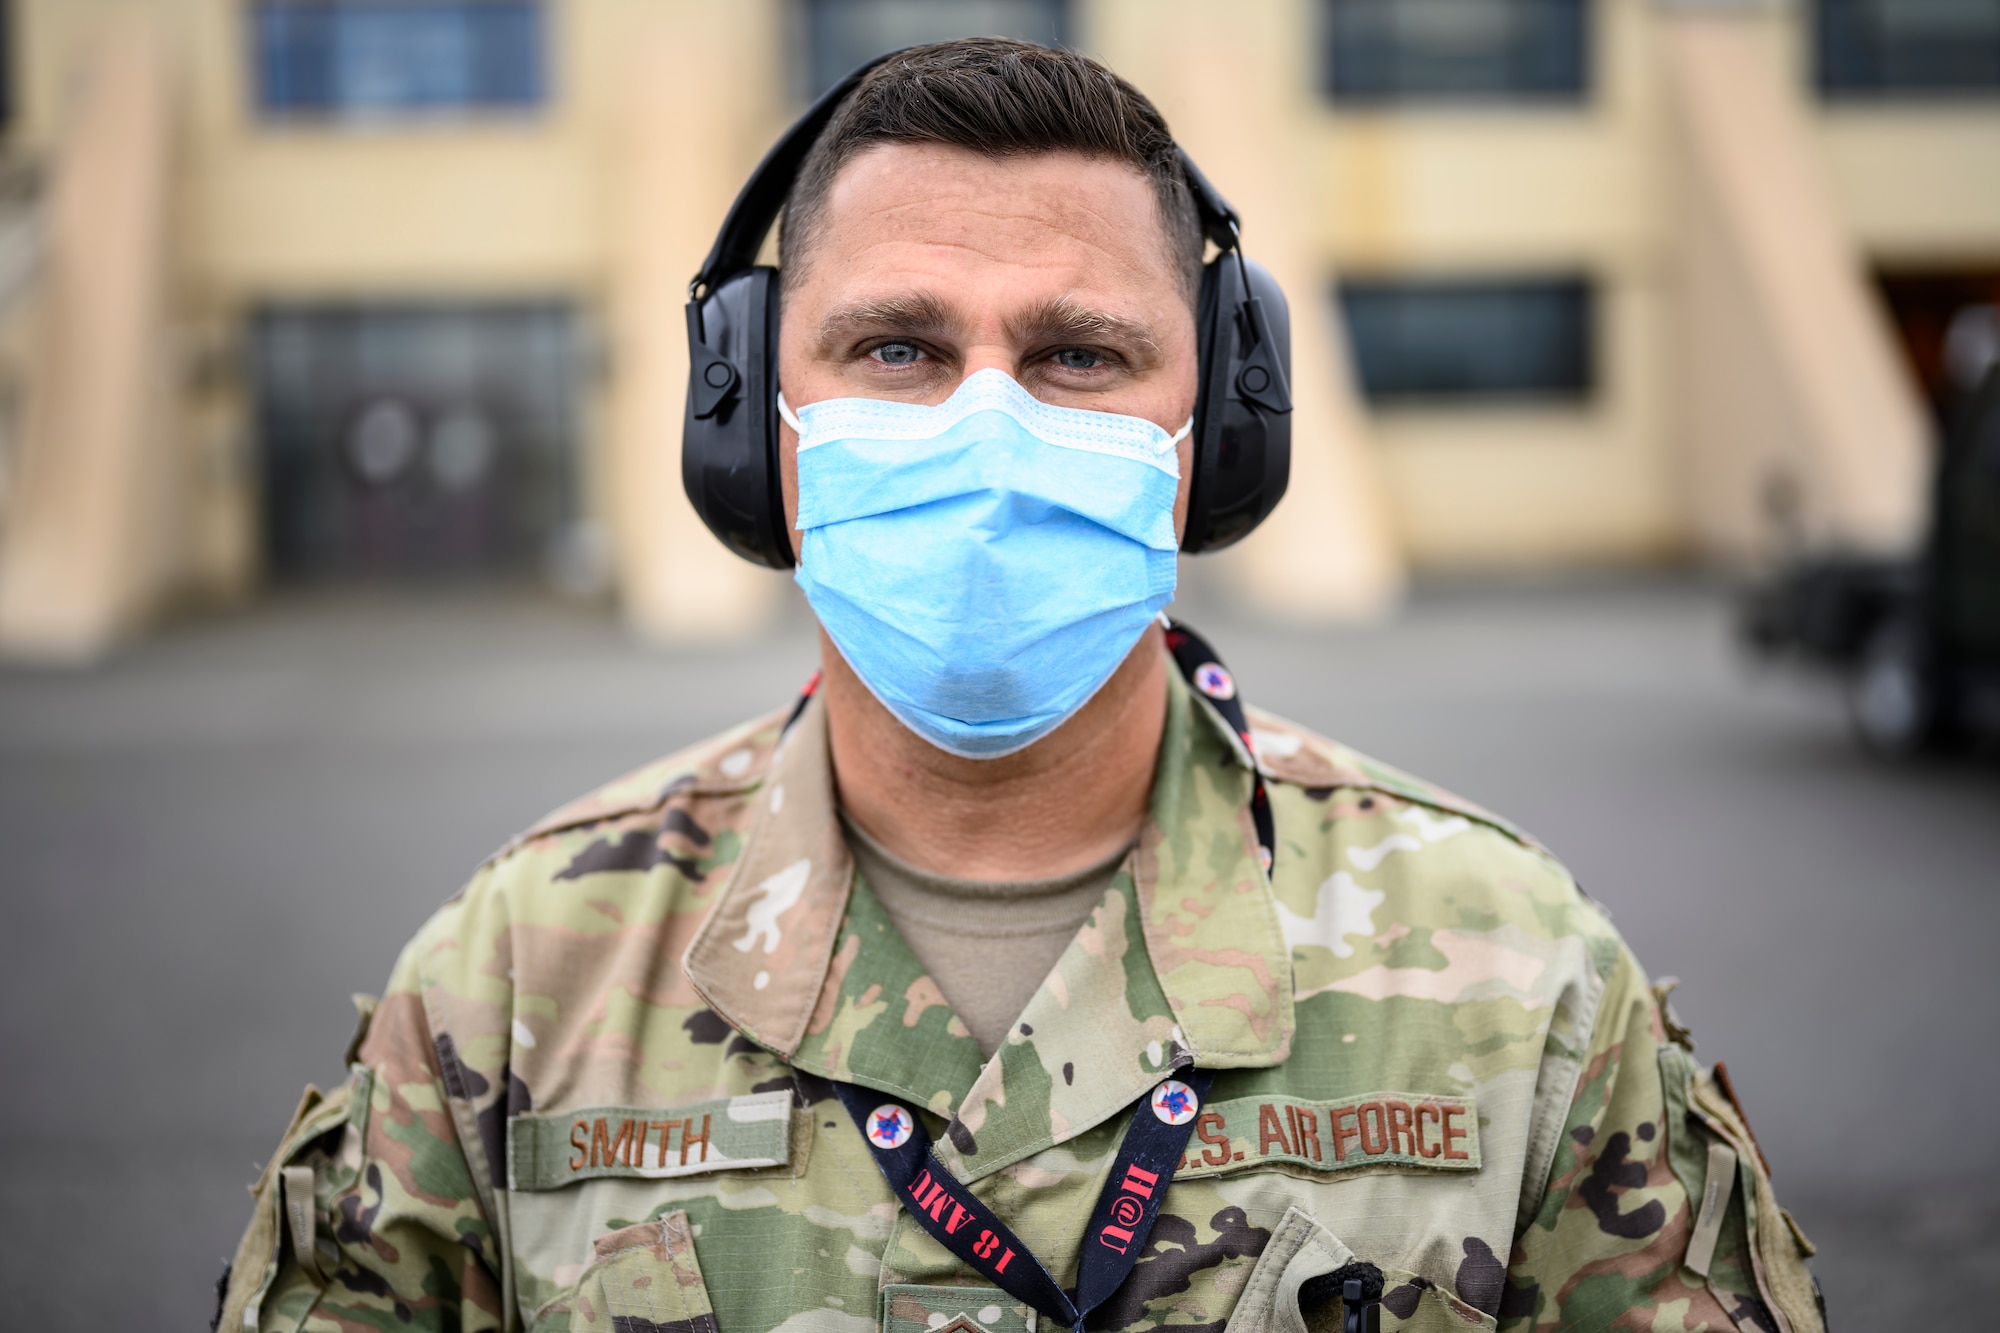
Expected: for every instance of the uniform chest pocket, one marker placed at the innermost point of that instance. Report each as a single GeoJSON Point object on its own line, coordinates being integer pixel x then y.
{"type": "Point", "coordinates": [1301, 1249]}
{"type": "Point", "coordinates": [641, 1279]}
{"type": "Point", "coordinates": [587, 1185]}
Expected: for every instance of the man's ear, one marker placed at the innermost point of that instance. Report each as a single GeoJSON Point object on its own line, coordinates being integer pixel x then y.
{"type": "Point", "coordinates": [788, 483]}
{"type": "Point", "coordinates": [1185, 451]}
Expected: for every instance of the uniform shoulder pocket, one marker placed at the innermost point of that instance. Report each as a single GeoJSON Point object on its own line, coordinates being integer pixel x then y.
{"type": "Point", "coordinates": [1740, 1242]}
{"type": "Point", "coordinates": [641, 1279]}
{"type": "Point", "coordinates": [1778, 1249]}
{"type": "Point", "coordinates": [318, 1155]}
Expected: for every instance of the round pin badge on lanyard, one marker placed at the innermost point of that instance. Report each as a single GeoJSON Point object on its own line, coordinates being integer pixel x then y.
{"type": "Point", "coordinates": [1215, 682]}
{"type": "Point", "coordinates": [1174, 1102]}
{"type": "Point", "coordinates": [889, 1126]}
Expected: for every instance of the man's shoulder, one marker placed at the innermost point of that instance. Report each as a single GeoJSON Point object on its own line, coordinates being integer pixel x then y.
{"type": "Point", "coordinates": [658, 831]}
{"type": "Point", "coordinates": [1373, 834]}
{"type": "Point", "coordinates": [1302, 758]}
{"type": "Point", "coordinates": [727, 764]}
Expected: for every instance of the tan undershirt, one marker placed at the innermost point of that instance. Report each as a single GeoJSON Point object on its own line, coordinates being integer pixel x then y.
{"type": "Point", "coordinates": [988, 944]}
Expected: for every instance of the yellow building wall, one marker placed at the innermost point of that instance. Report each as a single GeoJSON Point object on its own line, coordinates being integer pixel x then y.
{"type": "Point", "coordinates": [93, 542]}
{"type": "Point", "coordinates": [1800, 423]}
{"type": "Point", "coordinates": [488, 205]}
{"type": "Point", "coordinates": [1524, 190]}
{"type": "Point", "coordinates": [612, 187]}
{"type": "Point", "coordinates": [1918, 185]}
{"type": "Point", "coordinates": [1597, 189]}
{"type": "Point", "coordinates": [1241, 103]}
{"type": "Point", "coordinates": [606, 196]}
{"type": "Point", "coordinates": [483, 208]}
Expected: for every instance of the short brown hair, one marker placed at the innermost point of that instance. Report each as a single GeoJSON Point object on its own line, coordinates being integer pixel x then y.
{"type": "Point", "coordinates": [1002, 98]}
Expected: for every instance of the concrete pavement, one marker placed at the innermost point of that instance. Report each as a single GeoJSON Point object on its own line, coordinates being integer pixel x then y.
{"type": "Point", "coordinates": [213, 840]}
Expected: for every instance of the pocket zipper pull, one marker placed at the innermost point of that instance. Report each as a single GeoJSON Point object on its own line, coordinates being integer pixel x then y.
{"type": "Point", "coordinates": [1361, 1314]}
{"type": "Point", "coordinates": [1358, 1287]}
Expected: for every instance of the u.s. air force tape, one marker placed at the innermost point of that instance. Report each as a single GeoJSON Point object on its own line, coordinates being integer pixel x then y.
{"type": "Point", "coordinates": [1403, 1129]}
{"type": "Point", "coordinates": [548, 1150]}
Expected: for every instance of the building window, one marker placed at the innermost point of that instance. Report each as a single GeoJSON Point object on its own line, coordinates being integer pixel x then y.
{"type": "Point", "coordinates": [417, 441]}
{"type": "Point", "coordinates": [841, 34]}
{"type": "Point", "coordinates": [365, 58]}
{"type": "Point", "coordinates": [1869, 48]}
{"type": "Point", "coordinates": [1455, 341]}
{"type": "Point", "coordinates": [1948, 321]}
{"type": "Point", "coordinates": [1386, 51]}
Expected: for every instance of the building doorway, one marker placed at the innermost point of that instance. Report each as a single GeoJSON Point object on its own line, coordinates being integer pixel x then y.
{"type": "Point", "coordinates": [1948, 321]}
{"type": "Point", "coordinates": [416, 443]}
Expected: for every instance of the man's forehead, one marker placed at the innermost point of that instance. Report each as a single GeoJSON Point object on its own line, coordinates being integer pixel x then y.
{"type": "Point", "coordinates": [929, 175]}
{"type": "Point", "coordinates": [934, 205]}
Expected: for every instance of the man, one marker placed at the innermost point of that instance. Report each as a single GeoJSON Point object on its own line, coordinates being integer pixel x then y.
{"type": "Point", "coordinates": [994, 984]}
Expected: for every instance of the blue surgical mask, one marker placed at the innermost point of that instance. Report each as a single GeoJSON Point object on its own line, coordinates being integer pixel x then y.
{"type": "Point", "coordinates": [986, 563]}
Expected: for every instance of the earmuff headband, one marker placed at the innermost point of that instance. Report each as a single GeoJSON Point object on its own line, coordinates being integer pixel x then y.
{"type": "Point", "coordinates": [763, 196]}
{"type": "Point", "coordinates": [730, 463]}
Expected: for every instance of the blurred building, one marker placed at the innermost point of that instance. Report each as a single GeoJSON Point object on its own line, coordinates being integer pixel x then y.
{"type": "Point", "coordinates": [322, 291]}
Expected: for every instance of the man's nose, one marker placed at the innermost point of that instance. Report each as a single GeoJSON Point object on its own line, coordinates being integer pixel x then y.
{"type": "Point", "coordinates": [991, 356]}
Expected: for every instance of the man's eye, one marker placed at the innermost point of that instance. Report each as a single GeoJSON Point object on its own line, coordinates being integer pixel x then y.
{"type": "Point", "coordinates": [1078, 358]}
{"type": "Point", "coordinates": [897, 354]}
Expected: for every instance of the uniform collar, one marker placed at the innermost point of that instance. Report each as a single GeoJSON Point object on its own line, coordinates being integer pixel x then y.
{"type": "Point", "coordinates": [1184, 961]}
{"type": "Point", "coordinates": [762, 957]}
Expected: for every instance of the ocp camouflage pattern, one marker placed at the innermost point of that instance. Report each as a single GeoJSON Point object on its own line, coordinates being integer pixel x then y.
{"type": "Point", "coordinates": [596, 1093]}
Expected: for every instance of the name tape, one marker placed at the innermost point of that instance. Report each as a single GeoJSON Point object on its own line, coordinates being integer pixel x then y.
{"type": "Point", "coordinates": [550, 1149]}
{"type": "Point", "coordinates": [1409, 1129]}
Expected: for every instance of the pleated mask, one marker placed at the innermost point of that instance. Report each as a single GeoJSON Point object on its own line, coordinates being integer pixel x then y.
{"type": "Point", "coordinates": [985, 563]}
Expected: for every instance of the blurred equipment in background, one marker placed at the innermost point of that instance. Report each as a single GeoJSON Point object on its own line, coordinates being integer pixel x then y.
{"type": "Point", "coordinates": [1577, 284]}
{"type": "Point", "coordinates": [1917, 641]}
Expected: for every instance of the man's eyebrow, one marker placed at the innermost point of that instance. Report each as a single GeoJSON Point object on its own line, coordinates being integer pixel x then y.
{"type": "Point", "coordinates": [1063, 319]}
{"type": "Point", "coordinates": [913, 313]}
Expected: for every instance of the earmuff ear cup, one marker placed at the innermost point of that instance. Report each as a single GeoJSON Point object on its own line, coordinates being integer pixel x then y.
{"type": "Point", "coordinates": [1242, 449]}
{"type": "Point", "coordinates": [729, 437]}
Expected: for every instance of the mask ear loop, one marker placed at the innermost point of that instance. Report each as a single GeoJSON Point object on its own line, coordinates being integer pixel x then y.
{"type": "Point", "coordinates": [791, 418]}
{"type": "Point", "coordinates": [1179, 435]}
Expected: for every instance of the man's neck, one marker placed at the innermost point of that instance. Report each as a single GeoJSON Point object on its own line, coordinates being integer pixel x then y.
{"type": "Point", "coordinates": [1066, 802]}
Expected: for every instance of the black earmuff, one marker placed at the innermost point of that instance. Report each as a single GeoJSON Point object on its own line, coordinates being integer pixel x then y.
{"type": "Point", "coordinates": [1243, 411]}
{"type": "Point", "coordinates": [729, 444]}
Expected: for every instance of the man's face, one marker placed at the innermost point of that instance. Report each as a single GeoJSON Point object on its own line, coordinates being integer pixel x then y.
{"type": "Point", "coordinates": [931, 263]}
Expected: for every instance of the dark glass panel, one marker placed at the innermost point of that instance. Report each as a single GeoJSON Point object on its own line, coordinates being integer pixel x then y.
{"type": "Point", "coordinates": [411, 441]}
{"type": "Point", "coordinates": [1469, 339]}
{"type": "Point", "coordinates": [397, 57]}
{"type": "Point", "coordinates": [1381, 51]}
{"type": "Point", "coordinates": [1888, 48]}
{"type": "Point", "coordinates": [841, 34]}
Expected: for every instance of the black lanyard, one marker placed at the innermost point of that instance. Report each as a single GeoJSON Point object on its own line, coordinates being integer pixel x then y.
{"type": "Point", "coordinates": [942, 1205]}
{"type": "Point", "coordinates": [1204, 671]}
{"type": "Point", "coordinates": [1130, 1200]}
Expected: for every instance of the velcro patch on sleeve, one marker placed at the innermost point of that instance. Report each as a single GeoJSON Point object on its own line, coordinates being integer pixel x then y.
{"type": "Point", "coordinates": [548, 1150]}
{"type": "Point", "coordinates": [1407, 1129]}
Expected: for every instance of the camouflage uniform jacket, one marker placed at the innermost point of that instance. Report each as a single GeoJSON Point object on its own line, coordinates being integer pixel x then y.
{"type": "Point", "coordinates": [595, 1095]}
